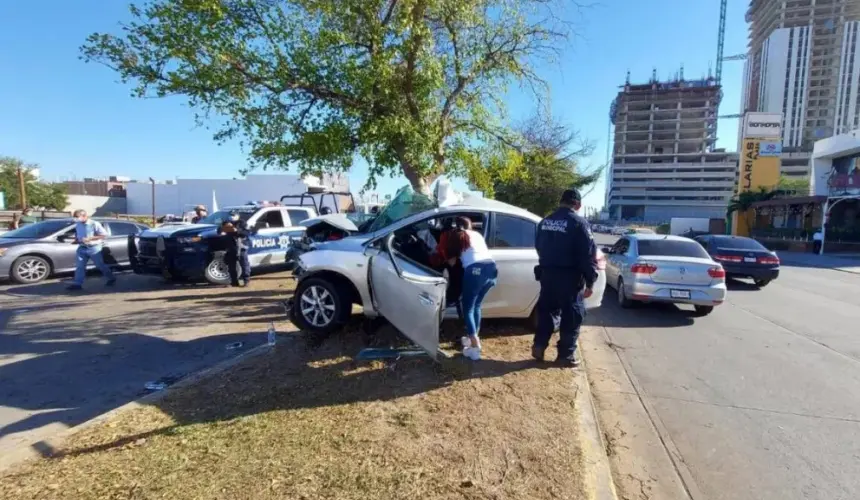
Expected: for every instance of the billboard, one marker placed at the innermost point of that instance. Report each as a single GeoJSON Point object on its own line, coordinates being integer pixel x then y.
{"type": "Point", "coordinates": [763, 125]}
{"type": "Point", "coordinates": [759, 168]}
{"type": "Point", "coordinates": [770, 148]}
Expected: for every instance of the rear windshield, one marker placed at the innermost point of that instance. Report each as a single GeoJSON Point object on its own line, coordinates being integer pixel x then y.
{"type": "Point", "coordinates": [738, 243]}
{"type": "Point", "coordinates": [672, 248]}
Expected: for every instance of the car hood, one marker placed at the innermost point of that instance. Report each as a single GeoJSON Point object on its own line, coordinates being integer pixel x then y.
{"type": "Point", "coordinates": [178, 231]}
{"type": "Point", "coordinates": [12, 242]}
{"type": "Point", "coordinates": [348, 244]}
{"type": "Point", "coordinates": [339, 221]}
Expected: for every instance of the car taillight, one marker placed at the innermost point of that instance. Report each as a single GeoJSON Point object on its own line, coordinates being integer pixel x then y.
{"type": "Point", "coordinates": [643, 269]}
{"type": "Point", "coordinates": [717, 272]}
{"type": "Point", "coordinates": [770, 260]}
{"type": "Point", "coordinates": [728, 258]}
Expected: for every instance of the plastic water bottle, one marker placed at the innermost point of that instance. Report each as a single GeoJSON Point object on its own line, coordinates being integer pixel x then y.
{"type": "Point", "coordinates": [272, 336]}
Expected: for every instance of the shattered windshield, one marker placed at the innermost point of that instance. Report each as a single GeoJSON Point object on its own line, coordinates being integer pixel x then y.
{"type": "Point", "coordinates": [405, 203]}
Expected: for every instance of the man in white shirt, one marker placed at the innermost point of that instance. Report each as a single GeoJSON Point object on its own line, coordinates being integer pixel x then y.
{"type": "Point", "coordinates": [89, 235]}
{"type": "Point", "coordinates": [817, 240]}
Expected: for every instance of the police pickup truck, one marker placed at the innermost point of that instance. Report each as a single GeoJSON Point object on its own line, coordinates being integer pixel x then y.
{"type": "Point", "coordinates": [197, 251]}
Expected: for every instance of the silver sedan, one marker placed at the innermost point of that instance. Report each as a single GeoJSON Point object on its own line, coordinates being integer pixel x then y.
{"type": "Point", "coordinates": [657, 268]}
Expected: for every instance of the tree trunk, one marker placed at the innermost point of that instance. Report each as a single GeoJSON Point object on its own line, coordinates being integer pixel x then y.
{"type": "Point", "coordinates": [420, 184]}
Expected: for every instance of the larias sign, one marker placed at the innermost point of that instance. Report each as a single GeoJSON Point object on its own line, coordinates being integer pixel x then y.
{"type": "Point", "coordinates": [758, 168]}
{"type": "Point", "coordinates": [763, 125]}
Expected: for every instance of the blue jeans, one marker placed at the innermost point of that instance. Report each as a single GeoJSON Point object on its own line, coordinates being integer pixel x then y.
{"type": "Point", "coordinates": [83, 255]}
{"type": "Point", "coordinates": [477, 281]}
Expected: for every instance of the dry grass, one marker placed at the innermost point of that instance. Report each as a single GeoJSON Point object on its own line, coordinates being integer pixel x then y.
{"type": "Point", "coordinates": [305, 422]}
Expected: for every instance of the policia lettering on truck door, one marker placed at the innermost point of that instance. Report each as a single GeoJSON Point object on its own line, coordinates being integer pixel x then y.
{"type": "Point", "coordinates": [567, 271]}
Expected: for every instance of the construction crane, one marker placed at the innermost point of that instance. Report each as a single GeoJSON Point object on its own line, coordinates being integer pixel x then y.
{"type": "Point", "coordinates": [721, 40]}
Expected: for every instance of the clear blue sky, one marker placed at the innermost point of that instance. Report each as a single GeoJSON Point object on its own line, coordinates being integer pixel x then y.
{"type": "Point", "coordinates": [75, 119]}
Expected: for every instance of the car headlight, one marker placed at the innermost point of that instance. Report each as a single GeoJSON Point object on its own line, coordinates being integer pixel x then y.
{"type": "Point", "coordinates": [190, 240]}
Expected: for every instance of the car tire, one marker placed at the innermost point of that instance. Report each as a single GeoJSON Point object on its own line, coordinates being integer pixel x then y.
{"type": "Point", "coordinates": [30, 269]}
{"type": "Point", "coordinates": [761, 283]}
{"type": "Point", "coordinates": [333, 308]}
{"type": "Point", "coordinates": [704, 310]}
{"type": "Point", "coordinates": [216, 271]}
{"type": "Point", "coordinates": [623, 300]}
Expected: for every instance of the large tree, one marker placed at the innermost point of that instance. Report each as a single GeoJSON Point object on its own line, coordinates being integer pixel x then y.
{"type": "Point", "coordinates": [406, 84]}
{"type": "Point", "coordinates": [52, 196]}
{"type": "Point", "coordinates": [534, 171]}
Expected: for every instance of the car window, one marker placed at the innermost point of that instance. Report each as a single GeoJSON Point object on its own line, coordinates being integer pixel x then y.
{"type": "Point", "coordinates": [297, 216]}
{"type": "Point", "coordinates": [738, 243]}
{"type": "Point", "coordinates": [621, 246]}
{"type": "Point", "coordinates": [123, 228]}
{"type": "Point", "coordinates": [222, 215]}
{"type": "Point", "coordinates": [672, 248]}
{"type": "Point", "coordinates": [38, 229]}
{"type": "Point", "coordinates": [272, 218]}
{"type": "Point", "coordinates": [513, 232]}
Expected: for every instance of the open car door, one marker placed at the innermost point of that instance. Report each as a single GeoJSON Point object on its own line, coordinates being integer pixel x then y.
{"type": "Point", "coordinates": [409, 296]}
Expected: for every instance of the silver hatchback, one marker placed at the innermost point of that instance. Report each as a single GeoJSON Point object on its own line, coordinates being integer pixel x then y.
{"type": "Point", "coordinates": [657, 268]}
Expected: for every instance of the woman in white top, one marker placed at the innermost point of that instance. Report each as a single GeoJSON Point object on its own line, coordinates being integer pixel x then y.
{"type": "Point", "coordinates": [479, 275]}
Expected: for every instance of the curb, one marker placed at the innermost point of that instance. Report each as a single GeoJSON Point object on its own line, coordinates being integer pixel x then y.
{"type": "Point", "coordinates": [791, 263]}
{"type": "Point", "coordinates": [598, 472]}
{"type": "Point", "coordinates": [45, 447]}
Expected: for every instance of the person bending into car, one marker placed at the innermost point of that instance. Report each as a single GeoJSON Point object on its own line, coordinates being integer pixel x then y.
{"type": "Point", "coordinates": [89, 235]}
{"type": "Point", "coordinates": [439, 261]}
{"type": "Point", "coordinates": [566, 271]}
{"type": "Point", "coordinates": [479, 276]}
{"type": "Point", "coordinates": [237, 249]}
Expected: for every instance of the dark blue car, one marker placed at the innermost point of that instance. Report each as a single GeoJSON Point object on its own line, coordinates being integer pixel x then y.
{"type": "Point", "coordinates": [742, 257]}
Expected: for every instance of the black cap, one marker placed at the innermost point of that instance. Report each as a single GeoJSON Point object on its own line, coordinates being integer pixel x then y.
{"type": "Point", "coordinates": [570, 196]}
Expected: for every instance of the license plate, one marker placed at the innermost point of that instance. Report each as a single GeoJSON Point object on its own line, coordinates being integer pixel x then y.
{"type": "Point", "coordinates": [749, 259]}
{"type": "Point", "coordinates": [679, 294]}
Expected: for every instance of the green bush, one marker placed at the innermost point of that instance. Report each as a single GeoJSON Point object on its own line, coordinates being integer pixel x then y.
{"type": "Point", "coordinates": [662, 229]}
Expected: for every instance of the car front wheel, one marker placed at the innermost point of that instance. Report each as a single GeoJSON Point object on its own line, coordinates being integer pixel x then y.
{"type": "Point", "coordinates": [319, 306]}
{"type": "Point", "coordinates": [217, 271]}
{"type": "Point", "coordinates": [30, 269]}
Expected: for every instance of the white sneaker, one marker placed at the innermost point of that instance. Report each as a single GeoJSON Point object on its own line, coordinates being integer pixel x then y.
{"type": "Point", "coordinates": [473, 353]}
{"type": "Point", "coordinates": [465, 342]}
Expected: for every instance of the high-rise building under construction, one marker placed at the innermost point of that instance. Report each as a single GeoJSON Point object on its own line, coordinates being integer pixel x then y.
{"type": "Point", "coordinates": [804, 62]}
{"type": "Point", "coordinates": [664, 163]}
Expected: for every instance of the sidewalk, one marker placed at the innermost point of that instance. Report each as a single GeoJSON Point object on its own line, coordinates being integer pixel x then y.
{"type": "Point", "coordinates": [849, 263]}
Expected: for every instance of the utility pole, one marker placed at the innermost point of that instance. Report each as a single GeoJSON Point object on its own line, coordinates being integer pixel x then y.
{"type": "Point", "coordinates": [153, 200]}
{"type": "Point", "coordinates": [22, 187]}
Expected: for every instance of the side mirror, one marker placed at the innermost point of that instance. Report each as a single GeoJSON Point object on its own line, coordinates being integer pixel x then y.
{"type": "Point", "coordinates": [606, 250]}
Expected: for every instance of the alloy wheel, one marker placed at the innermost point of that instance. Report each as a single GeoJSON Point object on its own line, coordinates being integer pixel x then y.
{"type": "Point", "coordinates": [317, 306]}
{"type": "Point", "coordinates": [32, 270]}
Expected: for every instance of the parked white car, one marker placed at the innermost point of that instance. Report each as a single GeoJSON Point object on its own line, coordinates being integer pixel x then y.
{"type": "Point", "coordinates": [386, 268]}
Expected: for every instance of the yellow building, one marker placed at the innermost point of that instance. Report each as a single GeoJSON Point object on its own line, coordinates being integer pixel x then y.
{"type": "Point", "coordinates": [759, 161]}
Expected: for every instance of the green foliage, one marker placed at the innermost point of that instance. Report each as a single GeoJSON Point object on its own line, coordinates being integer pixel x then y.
{"type": "Point", "coordinates": [663, 229]}
{"type": "Point", "coordinates": [406, 84]}
{"type": "Point", "coordinates": [535, 173]}
{"type": "Point", "coordinates": [793, 186]}
{"type": "Point", "coordinates": [744, 201]}
{"type": "Point", "coordinates": [52, 196]}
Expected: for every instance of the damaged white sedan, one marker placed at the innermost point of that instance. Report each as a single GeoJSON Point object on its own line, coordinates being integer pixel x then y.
{"type": "Point", "coordinates": [384, 266]}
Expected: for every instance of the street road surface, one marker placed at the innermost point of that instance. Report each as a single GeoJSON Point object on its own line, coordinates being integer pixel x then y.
{"type": "Point", "coordinates": [761, 399]}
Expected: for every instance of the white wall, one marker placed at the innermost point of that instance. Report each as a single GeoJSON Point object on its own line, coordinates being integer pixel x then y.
{"type": "Point", "coordinates": [823, 154]}
{"type": "Point", "coordinates": [182, 196]}
{"type": "Point", "coordinates": [773, 84]}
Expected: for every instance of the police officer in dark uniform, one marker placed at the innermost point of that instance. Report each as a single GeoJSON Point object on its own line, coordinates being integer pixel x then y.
{"type": "Point", "coordinates": [566, 270]}
{"type": "Point", "coordinates": [237, 249]}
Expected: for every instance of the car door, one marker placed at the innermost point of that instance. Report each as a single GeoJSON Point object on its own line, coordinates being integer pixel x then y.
{"type": "Point", "coordinates": [512, 244]}
{"type": "Point", "coordinates": [62, 249]}
{"type": "Point", "coordinates": [117, 241]}
{"type": "Point", "coordinates": [410, 296]}
{"type": "Point", "coordinates": [269, 242]}
{"type": "Point", "coordinates": [615, 261]}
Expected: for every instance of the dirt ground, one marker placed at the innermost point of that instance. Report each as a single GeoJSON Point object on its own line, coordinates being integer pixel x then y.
{"type": "Point", "coordinates": [67, 357]}
{"type": "Point", "coordinates": [305, 421]}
